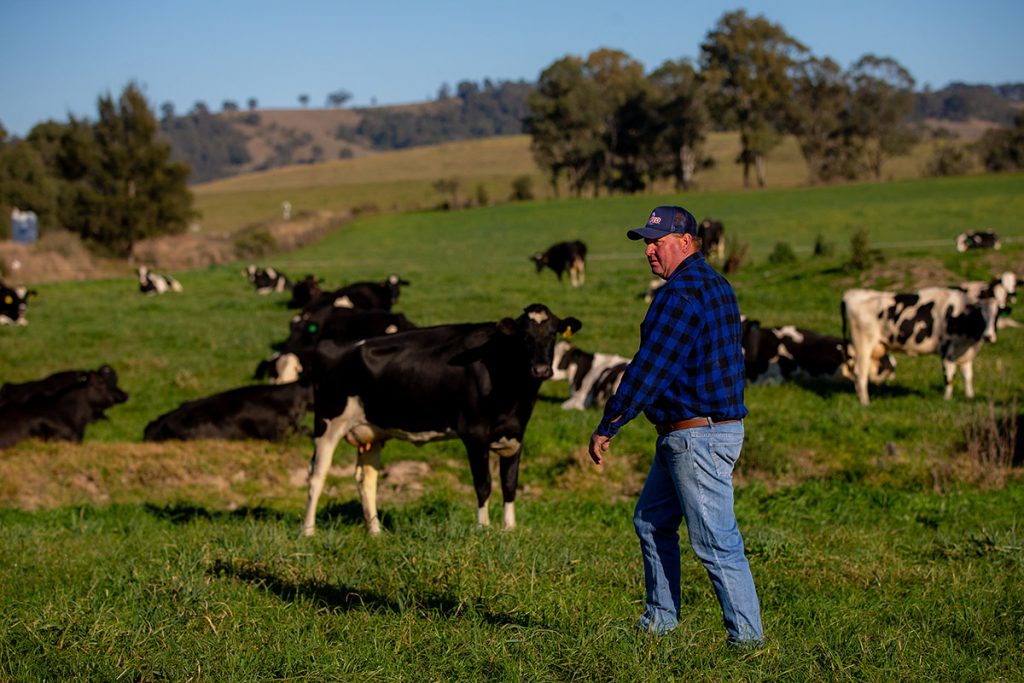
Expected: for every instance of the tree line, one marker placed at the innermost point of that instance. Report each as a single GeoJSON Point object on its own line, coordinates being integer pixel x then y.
{"type": "Point", "coordinates": [602, 122]}
{"type": "Point", "coordinates": [111, 181]}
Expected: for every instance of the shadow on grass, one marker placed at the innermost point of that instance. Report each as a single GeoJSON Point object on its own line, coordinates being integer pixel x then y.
{"type": "Point", "coordinates": [828, 388]}
{"type": "Point", "coordinates": [182, 513]}
{"type": "Point", "coordinates": [344, 597]}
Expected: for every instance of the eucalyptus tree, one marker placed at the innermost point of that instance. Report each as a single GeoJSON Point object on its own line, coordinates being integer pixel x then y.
{"type": "Point", "coordinates": [883, 99]}
{"type": "Point", "coordinates": [747, 62]}
{"type": "Point", "coordinates": [819, 117]}
{"type": "Point", "coordinates": [682, 119]}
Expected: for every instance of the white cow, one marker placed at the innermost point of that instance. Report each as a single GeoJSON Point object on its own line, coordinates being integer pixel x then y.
{"type": "Point", "coordinates": [931, 320]}
{"type": "Point", "coordinates": [593, 377]}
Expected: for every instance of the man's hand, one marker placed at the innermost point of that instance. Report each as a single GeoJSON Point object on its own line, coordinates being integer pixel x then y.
{"type": "Point", "coordinates": [598, 445]}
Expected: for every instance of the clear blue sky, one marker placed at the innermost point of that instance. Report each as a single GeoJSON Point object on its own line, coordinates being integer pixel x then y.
{"type": "Point", "coordinates": [58, 56]}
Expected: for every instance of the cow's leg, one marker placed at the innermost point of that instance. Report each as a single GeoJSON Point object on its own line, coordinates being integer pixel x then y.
{"type": "Point", "coordinates": [367, 470]}
{"type": "Point", "coordinates": [508, 451]}
{"type": "Point", "coordinates": [861, 371]}
{"type": "Point", "coordinates": [323, 453]}
{"type": "Point", "coordinates": [479, 465]}
{"type": "Point", "coordinates": [967, 370]}
{"type": "Point", "coordinates": [949, 373]}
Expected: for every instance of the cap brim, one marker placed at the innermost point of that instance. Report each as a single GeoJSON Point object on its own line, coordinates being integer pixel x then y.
{"type": "Point", "coordinates": [647, 233]}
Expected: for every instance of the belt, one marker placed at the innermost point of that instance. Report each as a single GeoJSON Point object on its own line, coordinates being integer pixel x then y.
{"type": "Point", "coordinates": [668, 427]}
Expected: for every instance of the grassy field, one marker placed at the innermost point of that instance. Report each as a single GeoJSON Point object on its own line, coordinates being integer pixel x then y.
{"type": "Point", "coordinates": [404, 180]}
{"type": "Point", "coordinates": [881, 551]}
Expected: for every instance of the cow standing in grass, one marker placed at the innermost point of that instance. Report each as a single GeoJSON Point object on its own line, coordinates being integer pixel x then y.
{"type": "Point", "coordinates": [562, 257]}
{"type": "Point", "coordinates": [474, 382]}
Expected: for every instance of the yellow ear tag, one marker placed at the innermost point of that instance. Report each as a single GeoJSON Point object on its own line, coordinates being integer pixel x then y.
{"type": "Point", "coordinates": [8, 299]}
{"type": "Point", "coordinates": [568, 332]}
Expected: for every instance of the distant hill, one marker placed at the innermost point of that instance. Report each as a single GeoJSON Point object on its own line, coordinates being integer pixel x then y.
{"type": "Point", "coordinates": [236, 142]}
{"type": "Point", "coordinates": [225, 144]}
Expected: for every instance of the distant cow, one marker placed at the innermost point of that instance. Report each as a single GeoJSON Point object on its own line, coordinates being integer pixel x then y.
{"type": "Point", "coordinates": [362, 295]}
{"type": "Point", "coordinates": [937, 320]}
{"type": "Point", "coordinates": [13, 304]}
{"type": "Point", "coordinates": [304, 291]}
{"type": "Point", "coordinates": [340, 325]}
{"type": "Point", "coordinates": [1003, 289]}
{"type": "Point", "coordinates": [42, 411]}
{"type": "Point", "coordinates": [262, 411]}
{"type": "Point", "coordinates": [978, 239]}
{"type": "Point", "coordinates": [778, 354]}
{"type": "Point", "coordinates": [267, 280]}
{"type": "Point", "coordinates": [50, 386]}
{"type": "Point", "coordinates": [593, 377]}
{"type": "Point", "coordinates": [712, 238]}
{"type": "Point", "coordinates": [475, 382]}
{"type": "Point", "coordinates": [155, 283]}
{"type": "Point", "coordinates": [562, 257]}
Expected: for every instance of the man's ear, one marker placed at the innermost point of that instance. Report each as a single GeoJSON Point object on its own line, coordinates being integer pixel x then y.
{"type": "Point", "coordinates": [507, 326]}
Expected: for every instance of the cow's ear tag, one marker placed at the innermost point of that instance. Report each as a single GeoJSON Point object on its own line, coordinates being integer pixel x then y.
{"type": "Point", "coordinates": [568, 332]}
{"type": "Point", "coordinates": [8, 299]}
{"type": "Point", "coordinates": [312, 328]}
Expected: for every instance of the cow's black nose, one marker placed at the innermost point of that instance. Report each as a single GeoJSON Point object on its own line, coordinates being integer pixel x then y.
{"type": "Point", "coordinates": [542, 371]}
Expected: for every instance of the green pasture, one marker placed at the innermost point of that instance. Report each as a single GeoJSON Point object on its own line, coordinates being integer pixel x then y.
{"type": "Point", "coordinates": [878, 554]}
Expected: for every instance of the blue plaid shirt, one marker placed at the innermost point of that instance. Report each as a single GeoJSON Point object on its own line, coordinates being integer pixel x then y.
{"type": "Point", "coordinates": [690, 361]}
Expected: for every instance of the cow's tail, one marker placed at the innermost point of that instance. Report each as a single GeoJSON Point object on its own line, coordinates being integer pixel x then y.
{"type": "Point", "coordinates": [846, 335]}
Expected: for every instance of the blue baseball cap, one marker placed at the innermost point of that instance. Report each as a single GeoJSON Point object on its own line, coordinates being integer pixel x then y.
{"type": "Point", "coordinates": [665, 220]}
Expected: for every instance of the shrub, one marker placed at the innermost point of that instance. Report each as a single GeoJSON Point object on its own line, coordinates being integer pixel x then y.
{"type": "Point", "coordinates": [482, 198]}
{"type": "Point", "coordinates": [254, 243]}
{"type": "Point", "coordinates": [862, 256]}
{"type": "Point", "coordinates": [782, 254]}
{"type": "Point", "coordinates": [522, 189]}
{"type": "Point", "coordinates": [735, 254]}
{"type": "Point", "coordinates": [991, 437]}
{"type": "Point", "coordinates": [821, 247]}
{"type": "Point", "coordinates": [948, 160]}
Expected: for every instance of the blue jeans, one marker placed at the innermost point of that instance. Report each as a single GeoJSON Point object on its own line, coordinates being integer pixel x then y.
{"type": "Point", "coordinates": [691, 478]}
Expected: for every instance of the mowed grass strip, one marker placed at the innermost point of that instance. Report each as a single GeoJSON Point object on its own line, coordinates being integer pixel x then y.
{"type": "Point", "coordinates": [180, 560]}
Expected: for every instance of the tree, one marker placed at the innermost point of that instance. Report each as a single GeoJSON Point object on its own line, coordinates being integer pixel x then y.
{"type": "Point", "coordinates": [229, 105]}
{"type": "Point", "coordinates": [819, 117]}
{"type": "Point", "coordinates": [304, 100]}
{"type": "Point", "coordinates": [338, 98]}
{"type": "Point", "coordinates": [252, 103]}
{"type": "Point", "coordinates": [167, 111]}
{"type": "Point", "coordinates": [122, 186]}
{"type": "Point", "coordinates": [564, 123]}
{"type": "Point", "coordinates": [883, 98]}
{"type": "Point", "coordinates": [1003, 149]}
{"type": "Point", "coordinates": [25, 183]}
{"type": "Point", "coordinates": [682, 119]}
{"type": "Point", "coordinates": [747, 62]}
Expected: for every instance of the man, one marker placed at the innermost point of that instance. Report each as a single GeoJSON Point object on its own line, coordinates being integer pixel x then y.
{"type": "Point", "coordinates": [687, 378]}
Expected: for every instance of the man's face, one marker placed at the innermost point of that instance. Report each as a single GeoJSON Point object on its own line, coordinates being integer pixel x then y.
{"type": "Point", "coordinates": [666, 253]}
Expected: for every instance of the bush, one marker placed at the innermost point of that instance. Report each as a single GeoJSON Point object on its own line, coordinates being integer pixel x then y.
{"type": "Point", "coordinates": [482, 198]}
{"type": "Point", "coordinates": [862, 256]}
{"type": "Point", "coordinates": [991, 437]}
{"type": "Point", "coordinates": [522, 189]}
{"type": "Point", "coordinates": [254, 243]}
{"type": "Point", "coordinates": [821, 247]}
{"type": "Point", "coordinates": [735, 254]}
{"type": "Point", "coordinates": [782, 254]}
{"type": "Point", "coordinates": [949, 160]}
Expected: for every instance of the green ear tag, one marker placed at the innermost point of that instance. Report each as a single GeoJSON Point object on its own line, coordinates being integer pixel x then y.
{"type": "Point", "coordinates": [312, 328]}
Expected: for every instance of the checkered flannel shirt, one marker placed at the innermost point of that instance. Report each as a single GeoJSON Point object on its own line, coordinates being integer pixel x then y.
{"type": "Point", "coordinates": [690, 361]}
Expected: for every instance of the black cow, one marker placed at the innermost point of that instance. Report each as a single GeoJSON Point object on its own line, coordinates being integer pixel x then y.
{"type": "Point", "coordinates": [60, 416]}
{"type": "Point", "coordinates": [475, 382]}
{"type": "Point", "coordinates": [777, 354]}
{"type": "Point", "coordinates": [155, 283]}
{"type": "Point", "coordinates": [50, 386]}
{"type": "Point", "coordinates": [340, 325]}
{"type": "Point", "coordinates": [13, 304]}
{"type": "Point", "coordinates": [261, 411]}
{"type": "Point", "coordinates": [304, 291]}
{"type": "Point", "coordinates": [267, 280]}
{"type": "Point", "coordinates": [712, 238]}
{"type": "Point", "coordinates": [562, 257]}
{"type": "Point", "coordinates": [363, 295]}
{"type": "Point", "coordinates": [977, 239]}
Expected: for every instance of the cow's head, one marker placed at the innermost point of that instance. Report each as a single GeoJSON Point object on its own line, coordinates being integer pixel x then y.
{"type": "Point", "coordinates": [539, 259]}
{"type": "Point", "coordinates": [281, 368]}
{"type": "Point", "coordinates": [961, 242]}
{"type": "Point", "coordinates": [102, 390]}
{"type": "Point", "coordinates": [977, 322]}
{"type": "Point", "coordinates": [538, 328]}
{"type": "Point", "coordinates": [13, 304]}
{"type": "Point", "coordinates": [1009, 280]}
{"type": "Point", "coordinates": [395, 285]}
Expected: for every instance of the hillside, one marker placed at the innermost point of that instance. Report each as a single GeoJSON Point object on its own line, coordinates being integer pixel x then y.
{"type": "Point", "coordinates": [230, 143]}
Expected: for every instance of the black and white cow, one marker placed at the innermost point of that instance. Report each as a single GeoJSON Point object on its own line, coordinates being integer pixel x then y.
{"type": "Point", "coordinates": [340, 325]}
{"type": "Point", "coordinates": [474, 382]}
{"type": "Point", "coordinates": [362, 295]}
{"type": "Point", "coordinates": [304, 291]}
{"type": "Point", "coordinates": [779, 354]}
{"type": "Point", "coordinates": [262, 411]}
{"type": "Point", "coordinates": [937, 320]}
{"type": "Point", "coordinates": [155, 283]}
{"type": "Point", "coordinates": [978, 239]}
{"type": "Point", "coordinates": [13, 304]}
{"type": "Point", "coordinates": [44, 410]}
{"type": "Point", "coordinates": [593, 377]}
{"type": "Point", "coordinates": [267, 280]}
{"type": "Point", "coordinates": [562, 257]}
{"type": "Point", "coordinates": [1003, 289]}
{"type": "Point", "coordinates": [712, 236]}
